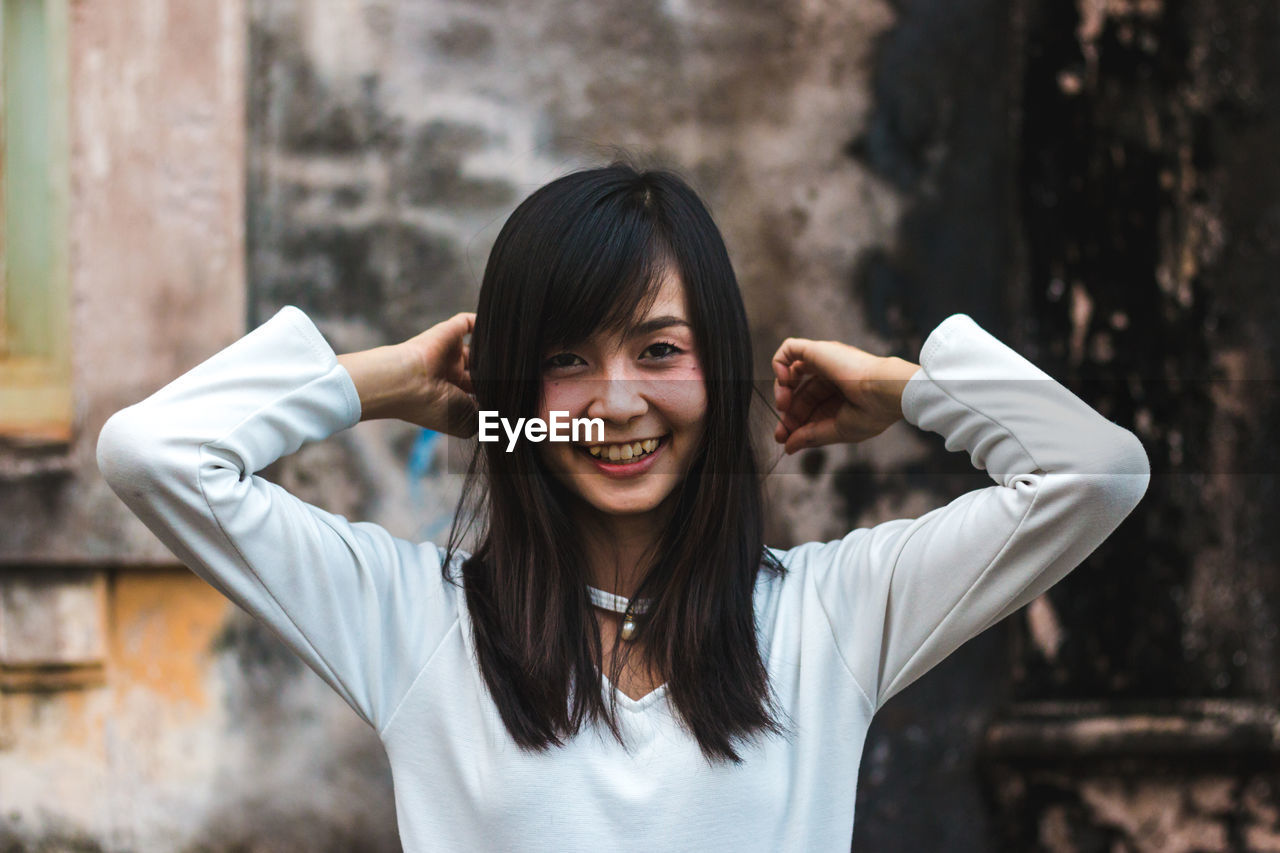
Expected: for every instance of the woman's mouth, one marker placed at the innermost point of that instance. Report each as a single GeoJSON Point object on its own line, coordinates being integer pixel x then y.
{"type": "Point", "coordinates": [624, 453]}
{"type": "Point", "coordinates": [625, 458]}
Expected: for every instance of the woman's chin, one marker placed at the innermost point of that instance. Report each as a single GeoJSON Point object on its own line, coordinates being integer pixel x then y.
{"type": "Point", "coordinates": [614, 497]}
{"type": "Point", "coordinates": [633, 508]}
{"type": "Point", "coordinates": [638, 503]}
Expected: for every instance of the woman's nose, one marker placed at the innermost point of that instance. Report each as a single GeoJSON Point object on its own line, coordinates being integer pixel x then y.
{"type": "Point", "coordinates": [617, 397]}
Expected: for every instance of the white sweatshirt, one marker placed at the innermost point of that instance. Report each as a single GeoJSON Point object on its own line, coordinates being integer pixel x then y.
{"type": "Point", "coordinates": [854, 622]}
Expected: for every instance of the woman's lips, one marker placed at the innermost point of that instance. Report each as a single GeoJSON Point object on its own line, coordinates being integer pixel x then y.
{"type": "Point", "coordinates": [623, 470]}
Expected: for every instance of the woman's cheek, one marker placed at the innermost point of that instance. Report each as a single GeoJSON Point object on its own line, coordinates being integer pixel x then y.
{"type": "Point", "coordinates": [559, 397]}
{"type": "Point", "coordinates": [685, 398]}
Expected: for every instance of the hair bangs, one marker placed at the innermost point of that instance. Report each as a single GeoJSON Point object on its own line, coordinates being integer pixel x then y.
{"type": "Point", "coordinates": [608, 275]}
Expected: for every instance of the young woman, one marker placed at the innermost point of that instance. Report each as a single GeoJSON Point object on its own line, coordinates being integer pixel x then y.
{"type": "Point", "coordinates": [621, 663]}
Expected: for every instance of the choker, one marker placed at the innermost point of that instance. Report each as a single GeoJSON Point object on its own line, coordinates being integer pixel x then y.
{"type": "Point", "coordinates": [618, 604]}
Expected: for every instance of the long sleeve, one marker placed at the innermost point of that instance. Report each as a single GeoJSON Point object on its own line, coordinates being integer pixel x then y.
{"type": "Point", "coordinates": [902, 595]}
{"type": "Point", "coordinates": [362, 608]}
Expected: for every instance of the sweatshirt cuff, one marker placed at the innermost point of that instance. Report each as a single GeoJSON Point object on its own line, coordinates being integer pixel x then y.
{"type": "Point", "coordinates": [307, 329]}
{"type": "Point", "coordinates": [916, 395]}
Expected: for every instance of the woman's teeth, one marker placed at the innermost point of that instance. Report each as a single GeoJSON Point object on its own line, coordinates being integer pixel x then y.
{"type": "Point", "coordinates": [624, 452]}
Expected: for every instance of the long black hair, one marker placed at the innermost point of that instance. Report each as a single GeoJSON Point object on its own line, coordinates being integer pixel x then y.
{"type": "Point", "coordinates": [583, 253]}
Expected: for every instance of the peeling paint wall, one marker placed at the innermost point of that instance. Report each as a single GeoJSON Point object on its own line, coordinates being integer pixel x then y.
{"type": "Point", "coordinates": [138, 709]}
{"type": "Point", "coordinates": [198, 738]}
{"type": "Point", "coordinates": [1147, 198]}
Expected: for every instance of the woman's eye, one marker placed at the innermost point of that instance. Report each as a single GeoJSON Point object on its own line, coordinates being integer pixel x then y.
{"type": "Point", "coordinates": [561, 359]}
{"type": "Point", "coordinates": [663, 350]}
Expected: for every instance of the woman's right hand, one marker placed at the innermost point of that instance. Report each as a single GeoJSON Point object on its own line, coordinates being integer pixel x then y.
{"type": "Point", "coordinates": [445, 402]}
{"type": "Point", "coordinates": [424, 380]}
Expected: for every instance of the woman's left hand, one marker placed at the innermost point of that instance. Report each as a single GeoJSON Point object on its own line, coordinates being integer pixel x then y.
{"type": "Point", "coordinates": [831, 393]}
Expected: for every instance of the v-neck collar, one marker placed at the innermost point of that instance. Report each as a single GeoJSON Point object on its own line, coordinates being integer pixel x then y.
{"type": "Point", "coordinates": [636, 705]}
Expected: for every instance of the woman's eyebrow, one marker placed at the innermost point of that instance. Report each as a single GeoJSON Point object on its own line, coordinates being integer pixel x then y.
{"type": "Point", "coordinates": [654, 324]}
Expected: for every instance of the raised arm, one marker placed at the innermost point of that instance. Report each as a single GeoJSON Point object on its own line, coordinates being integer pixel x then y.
{"type": "Point", "coordinates": [904, 594]}
{"type": "Point", "coordinates": [362, 608]}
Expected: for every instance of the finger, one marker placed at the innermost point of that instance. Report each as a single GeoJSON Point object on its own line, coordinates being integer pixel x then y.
{"type": "Point", "coordinates": [789, 351]}
{"type": "Point", "coordinates": [796, 372]}
{"type": "Point", "coordinates": [809, 397]}
{"type": "Point", "coordinates": [804, 400]}
{"type": "Point", "coordinates": [795, 350]}
{"type": "Point", "coordinates": [782, 364]}
{"type": "Point", "coordinates": [459, 371]}
{"type": "Point", "coordinates": [456, 328]}
{"type": "Point", "coordinates": [784, 400]}
{"type": "Point", "coordinates": [779, 371]}
{"type": "Point", "coordinates": [782, 395]}
{"type": "Point", "coordinates": [805, 356]}
{"type": "Point", "coordinates": [813, 435]}
{"type": "Point", "coordinates": [461, 414]}
{"type": "Point", "coordinates": [794, 375]}
{"type": "Point", "coordinates": [781, 399]}
{"type": "Point", "coordinates": [781, 431]}
{"type": "Point", "coordinates": [463, 381]}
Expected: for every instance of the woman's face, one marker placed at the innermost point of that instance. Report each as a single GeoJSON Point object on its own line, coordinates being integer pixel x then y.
{"type": "Point", "coordinates": [646, 385]}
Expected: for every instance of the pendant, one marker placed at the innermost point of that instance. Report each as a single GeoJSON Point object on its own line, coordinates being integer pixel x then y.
{"type": "Point", "coordinates": [628, 628]}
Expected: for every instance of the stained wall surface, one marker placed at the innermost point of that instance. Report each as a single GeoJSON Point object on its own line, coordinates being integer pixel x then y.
{"type": "Point", "coordinates": [138, 709]}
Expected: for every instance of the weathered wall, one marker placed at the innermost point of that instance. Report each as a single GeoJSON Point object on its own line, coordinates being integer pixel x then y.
{"type": "Point", "coordinates": [1147, 200]}
{"type": "Point", "coordinates": [156, 243]}
{"type": "Point", "coordinates": [138, 709]}
{"type": "Point", "coordinates": [201, 735]}
{"type": "Point", "coordinates": [942, 131]}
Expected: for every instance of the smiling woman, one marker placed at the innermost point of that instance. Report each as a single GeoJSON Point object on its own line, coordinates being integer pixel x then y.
{"type": "Point", "coordinates": [620, 663]}
{"type": "Point", "coordinates": [609, 294]}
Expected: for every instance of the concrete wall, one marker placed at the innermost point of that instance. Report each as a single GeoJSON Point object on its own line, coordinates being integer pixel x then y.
{"type": "Point", "coordinates": [138, 709]}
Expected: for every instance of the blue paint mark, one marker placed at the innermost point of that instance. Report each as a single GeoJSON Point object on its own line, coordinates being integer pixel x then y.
{"type": "Point", "coordinates": [420, 454]}
{"type": "Point", "coordinates": [417, 470]}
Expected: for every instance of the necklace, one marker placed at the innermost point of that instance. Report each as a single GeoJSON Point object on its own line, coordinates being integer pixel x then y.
{"type": "Point", "coordinates": [618, 604]}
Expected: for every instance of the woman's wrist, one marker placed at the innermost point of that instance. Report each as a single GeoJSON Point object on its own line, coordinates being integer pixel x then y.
{"type": "Point", "coordinates": [387, 378]}
{"type": "Point", "coordinates": [894, 375]}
